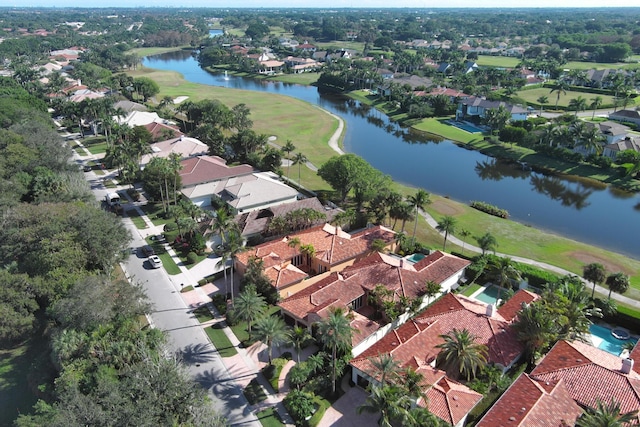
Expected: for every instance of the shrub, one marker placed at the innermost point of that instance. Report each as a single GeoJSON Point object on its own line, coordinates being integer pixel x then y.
{"type": "Point", "coordinates": [490, 209]}
{"type": "Point", "coordinates": [192, 258]}
{"type": "Point", "coordinates": [171, 236]}
{"type": "Point", "coordinates": [287, 355]}
{"type": "Point", "coordinates": [299, 374]}
{"type": "Point", "coordinates": [536, 277]}
{"type": "Point", "coordinates": [627, 156]}
{"type": "Point", "coordinates": [197, 243]}
{"type": "Point", "coordinates": [134, 194]}
{"type": "Point", "coordinates": [219, 301]}
{"type": "Point", "coordinates": [601, 161]}
{"type": "Point", "coordinates": [254, 392]}
{"type": "Point", "coordinates": [300, 406]}
{"type": "Point", "coordinates": [272, 372]}
{"type": "Point", "coordinates": [170, 226]}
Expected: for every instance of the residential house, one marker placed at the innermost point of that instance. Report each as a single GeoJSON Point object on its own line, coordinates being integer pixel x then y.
{"type": "Point", "coordinates": [414, 344]}
{"type": "Point", "coordinates": [351, 288]}
{"type": "Point", "coordinates": [306, 47]}
{"type": "Point", "coordinates": [453, 94]}
{"type": "Point", "coordinates": [477, 107]}
{"type": "Point", "coordinates": [268, 66]}
{"type": "Point", "coordinates": [183, 146]}
{"type": "Point", "coordinates": [138, 118]}
{"type": "Point", "coordinates": [469, 67]}
{"type": "Point", "coordinates": [301, 65]}
{"type": "Point", "coordinates": [162, 131]}
{"type": "Point", "coordinates": [612, 131]}
{"type": "Point", "coordinates": [129, 106]}
{"type": "Point", "coordinates": [628, 143]}
{"type": "Point", "coordinates": [629, 116]}
{"type": "Point", "coordinates": [531, 402]}
{"type": "Point", "coordinates": [333, 250]}
{"type": "Point", "coordinates": [583, 372]}
{"type": "Point", "coordinates": [255, 223]}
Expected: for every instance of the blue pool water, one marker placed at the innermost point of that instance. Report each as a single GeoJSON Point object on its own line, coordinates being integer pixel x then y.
{"type": "Point", "coordinates": [488, 295]}
{"type": "Point", "coordinates": [601, 337]}
{"type": "Point", "coordinates": [466, 127]}
{"type": "Point", "coordinates": [415, 258]}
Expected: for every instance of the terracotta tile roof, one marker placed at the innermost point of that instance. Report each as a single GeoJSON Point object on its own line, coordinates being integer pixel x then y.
{"type": "Point", "coordinates": [510, 309]}
{"type": "Point", "coordinates": [590, 374]}
{"type": "Point", "coordinates": [533, 403]}
{"type": "Point", "coordinates": [159, 130]}
{"type": "Point", "coordinates": [450, 400]}
{"type": "Point", "coordinates": [356, 280]}
{"type": "Point", "coordinates": [332, 245]}
{"type": "Point", "coordinates": [419, 337]}
{"type": "Point", "coordinates": [203, 169]}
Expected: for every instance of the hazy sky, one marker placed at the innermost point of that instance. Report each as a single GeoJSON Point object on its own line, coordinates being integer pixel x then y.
{"type": "Point", "coordinates": [320, 3]}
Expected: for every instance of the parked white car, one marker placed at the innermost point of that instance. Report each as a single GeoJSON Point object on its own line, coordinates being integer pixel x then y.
{"type": "Point", "coordinates": [155, 261]}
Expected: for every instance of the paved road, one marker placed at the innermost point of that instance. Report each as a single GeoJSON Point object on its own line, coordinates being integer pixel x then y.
{"type": "Point", "coordinates": [185, 336]}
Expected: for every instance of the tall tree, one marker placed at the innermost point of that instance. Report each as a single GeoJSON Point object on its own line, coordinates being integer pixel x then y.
{"type": "Point", "coordinates": [335, 333]}
{"type": "Point", "coordinates": [297, 337]}
{"type": "Point", "coordinates": [391, 401]}
{"type": "Point", "coordinates": [560, 88]}
{"type": "Point", "coordinates": [287, 149]}
{"type": "Point", "coordinates": [536, 329]}
{"type": "Point", "coordinates": [607, 415]}
{"type": "Point", "coordinates": [272, 331]}
{"type": "Point", "coordinates": [596, 274]}
{"type": "Point", "coordinates": [299, 159]}
{"type": "Point", "coordinates": [446, 225]}
{"type": "Point", "coordinates": [487, 242]}
{"type": "Point", "coordinates": [596, 102]}
{"type": "Point", "coordinates": [386, 367]}
{"type": "Point", "coordinates": [464, 233]}
{"type": "Point", "coordinates": [249, 306]}
{"type": "Point", "coordinates": [542, 100]}
{"type": "Point", "coordinates": [618, 283]}
{"type": "Point", "coordinates": [418, 201]}
{"type": "Point", "coordinates": [460, 354]}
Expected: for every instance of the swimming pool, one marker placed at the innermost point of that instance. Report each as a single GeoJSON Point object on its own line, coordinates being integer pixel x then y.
{"type": "Point", "coordinates": [415, 257]}
{"type": "Point", "coordinates": [466, 126]}
{"type": "Point", "coordinates": [488, 294]}
{"type": "Point", "coordinates": [601, 337]}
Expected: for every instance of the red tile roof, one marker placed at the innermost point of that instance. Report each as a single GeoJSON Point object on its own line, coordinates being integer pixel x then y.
{"type": "Point", "coordinates": [531, 402]}
{"type": "Point", "coordinates": [419, 337]}
{"type": "Point", "coordinates": [203, 169]}
{"type": "Point", "coordinates": [332, 245]}
{"type": "Point", "coordinates": [510, 309]}
{"type": "Point", "coordinates": [590, 374]}
{"type": "Point", "coordinates": [160, 130]}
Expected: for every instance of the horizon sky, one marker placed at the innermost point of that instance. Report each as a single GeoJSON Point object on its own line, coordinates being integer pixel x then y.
{"type": "Point", "coordinates": [282, 4]}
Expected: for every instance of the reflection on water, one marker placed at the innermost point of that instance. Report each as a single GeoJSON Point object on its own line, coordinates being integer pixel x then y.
{"type": "Point", "coordinates": [573, 207]}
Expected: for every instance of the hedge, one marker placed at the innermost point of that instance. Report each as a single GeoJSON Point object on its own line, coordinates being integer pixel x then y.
{"type": "Point", "coordinates": [490, 209]}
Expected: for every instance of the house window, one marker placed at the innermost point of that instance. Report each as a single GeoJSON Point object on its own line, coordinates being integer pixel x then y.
{"type": "Point", "coordinates": [296, 260]}
{"type": "Point", "coordinates": [357, 303]}
{"type": "Point", "coordinates": [322, 268]}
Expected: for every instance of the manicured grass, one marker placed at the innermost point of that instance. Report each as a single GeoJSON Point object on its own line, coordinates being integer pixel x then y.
{"type": "Point", "coordinates": [148, 51]}
{"type": "Point", "coordinates": [497, 61]}
{"type": "Point", "coordinates": [301, 79]}
{"type": "Point", "coordinates": [254, 392]}
{"type": "Point", "coordinates": [272, 372]}
{"type": "Point", "coordinates": [269, 418]}
{"type": "Point", "coordinates": [168, 263]}
{"type": "Point", "coordinates": [136, 218]}
{"type": "Point", "coordinates": [154, 212]}
{"type": "Point", "coordinates": [471, 289]}
{"type": "Point", "coordinates": [221, 341]}
{"type": "Point", "coordinates": [95, 144]}
{"type": "Point", "coordinates": [532, 95]}
{"type": "Point", "coordinates": [579, 65]}
{"type": "Point", "coordinates": [203, 314]}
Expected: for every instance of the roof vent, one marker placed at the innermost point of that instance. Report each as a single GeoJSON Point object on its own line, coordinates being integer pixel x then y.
{"type": "Point", "coordinates": [491, 310]}
{"type": "Point", "coordinates": [627, 366]}
{"type": "Point", "coordinates": [394, 343]}
{"type": "Point", "coordinates": [512, 418]}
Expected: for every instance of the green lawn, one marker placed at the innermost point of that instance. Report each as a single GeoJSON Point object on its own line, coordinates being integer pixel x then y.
{"type": "Point", "coordinates": [221, 341]}
{"type": "Point", "coordinates": [148, 51]}
{"type": "Point", "coordinates": [154, 212]}
{"type": "Point", "coordinates": [269, 418]}
{"type": "Point", "coordinates": [471, 289]}
{"type": "Point", "coordinates": [136, 218]}
{"type": "Point", "coordinates": [497, 61]}
{"type": "Point", "coordinates": [242, 333]}
{"type": "Point", "coordinates": [95, 144]}
{"type": "Point", "coordinates": [532, 95]}
{"type": "Point", "coordinates": [301, 79]}
{"type": "Point", "coordinates": [203, 314]}
{"type": "Point", "coordinates": [168, 263]}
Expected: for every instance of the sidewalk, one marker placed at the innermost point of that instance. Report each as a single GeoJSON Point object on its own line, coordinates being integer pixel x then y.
{"type": "Point", "coordinates": [245, 365]}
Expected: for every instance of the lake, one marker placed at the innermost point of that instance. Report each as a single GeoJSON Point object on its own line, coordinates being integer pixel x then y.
{"type": "Point", "coordinates": [578, 209]}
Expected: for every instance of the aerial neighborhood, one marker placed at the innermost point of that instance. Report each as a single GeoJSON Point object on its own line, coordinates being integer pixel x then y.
{"type": "Point", "coordinates": [316, 217]}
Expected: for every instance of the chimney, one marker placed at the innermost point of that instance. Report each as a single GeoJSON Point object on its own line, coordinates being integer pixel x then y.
{"type": "Point", "coordinates": [491, 310]}
{"type": "Point", "coordinates": [338, 230]}
{"type": "Point", "coordinates": [627, 366]}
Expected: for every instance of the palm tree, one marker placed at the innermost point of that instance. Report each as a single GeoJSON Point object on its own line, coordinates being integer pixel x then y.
{"type": "Point", "coordinates": [235, 245]}
{"type": "Point", "coordinates": [487, 242]}
{"type": "Point", "coordinates": [504, 271]}
{"type": "Point", "coordinates": [460, 354]}
{"type": "Point", "coordinates": [272, 331]}
{"type": "Point", "coordinates": [391, 402]}
{"type": "Point", "coordinates": [288, 148]}
{"type": "Point", "coordinates": [618, 283]}
{"type": "Point", "coordinates": [464, 234]}
{"type": "Point", "coordinates": [299, 159]}
{"type": "Point", "coordinates": [418, 201]}
{"type": "Point", "coordinates": [222, 224]}
{"type": "Point", "coordinates": [536, 329]}
{"type": "Point", "coordinates": [402, 211]}
{"type": "Point", "coordinates": [431, 289]}
{"type": "Point", "coordinates": [578, 104]}
{"type": "Point", "coordinates": [542, 100]}
{"type": "Point", "coordinates": [591, 139]}
{"type": "Point", "coordinates": [249, 305]}
{"type": "Point", "coordinates": [386, 366]}
{"type": "Point", "coordinates": [607, 416]}
{"type": "Point", "coordinates": [560, 88]}
{"type": "Point", "coordinates": [595, 273]}
{"type": "Point", "coordinates": [446, 225]}
{"type": "Point", "coordinates": [596, 102]}
{"type": "Point", "coordinates": [335, 333]}
{"type": "Point", "coordinates": [296, 338]}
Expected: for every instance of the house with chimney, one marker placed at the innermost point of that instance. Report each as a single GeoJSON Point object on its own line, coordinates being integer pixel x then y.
{"type": "Point", "coordinates": [312, 254]}
{"type": "Point", "coordinates": [352, 288]}
{"type": "Point", "coordinates": [414, 345]}
{"type": "Point", "coordinates": [571, 377]}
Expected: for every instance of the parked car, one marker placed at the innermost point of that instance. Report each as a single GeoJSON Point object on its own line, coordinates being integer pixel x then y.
{"type": "Point", "coordinates": [147, 250]}
{"type": "Point", "coordinates": [155, 261]}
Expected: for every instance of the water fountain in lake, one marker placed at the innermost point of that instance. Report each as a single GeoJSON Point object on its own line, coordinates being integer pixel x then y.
{"type": "Point", "coordinates": [226, 76]}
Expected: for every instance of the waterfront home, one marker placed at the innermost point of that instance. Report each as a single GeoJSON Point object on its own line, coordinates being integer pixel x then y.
{"type": "Point", "coordinates": [628, 143]}
{"type": "Point", "coordinates": [183, 146]}
{"type": "Point", "coordinates": [414, 345]}
{"type": "Point", "coordinates": [580, 371]}
{"type": "Point", "coordinates": [352, 290]}
{"type": "Point", "coordinates": [290, 260]}
{"type": "Point", "coordinates": [475, 107]}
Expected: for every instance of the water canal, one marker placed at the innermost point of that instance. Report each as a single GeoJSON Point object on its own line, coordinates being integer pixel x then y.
{"type": "Point", "coordinates": [583, 211]}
